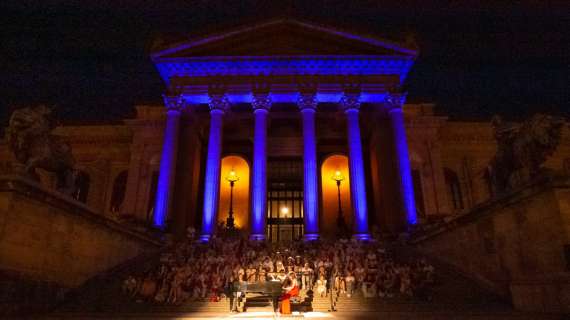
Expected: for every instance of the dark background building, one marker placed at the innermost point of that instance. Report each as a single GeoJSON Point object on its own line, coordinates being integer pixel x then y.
{"type": "Point", "coordinates": [91, 59]}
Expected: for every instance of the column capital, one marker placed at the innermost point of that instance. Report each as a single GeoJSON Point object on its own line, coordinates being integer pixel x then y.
{"type": "Point", "coordinates": [261, 101]}
{"type": "Point", "coordinates": [395, 101]}
{"type": "Point", "coordinates": [174, 103]}
{"type": "Point", "coordinates": [350, 101]}
{"type": "Point", "coordinates": [218, 101]}
{"type": "Point", "coordinates": [307, 100]}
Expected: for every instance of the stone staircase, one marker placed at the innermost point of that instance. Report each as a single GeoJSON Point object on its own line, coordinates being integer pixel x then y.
{"type": "Point", "coordinates": [321, 304]}
{"type": "Point", "coordinates": [451, 292]}
{"type": "Point", "coordinates": [454, 297]}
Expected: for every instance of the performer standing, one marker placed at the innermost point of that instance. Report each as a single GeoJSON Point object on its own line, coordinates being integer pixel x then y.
{"type": "Point", "coordinates": [231, 289]}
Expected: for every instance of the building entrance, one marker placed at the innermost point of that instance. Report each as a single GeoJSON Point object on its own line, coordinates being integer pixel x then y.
{"type": "Point", "coordinates": [285, 200]}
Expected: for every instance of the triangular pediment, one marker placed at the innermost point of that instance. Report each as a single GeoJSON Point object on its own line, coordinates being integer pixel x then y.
{"type": "Point", "coordinates": [282, 38]}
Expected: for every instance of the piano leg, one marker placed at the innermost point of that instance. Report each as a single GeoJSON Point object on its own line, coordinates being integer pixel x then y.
{"type": "Point", "coordinates": [275, 303]}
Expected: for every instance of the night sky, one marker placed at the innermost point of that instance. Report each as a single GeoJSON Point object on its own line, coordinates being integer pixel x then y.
{"type": "Point", "coordinates": [90, 58]}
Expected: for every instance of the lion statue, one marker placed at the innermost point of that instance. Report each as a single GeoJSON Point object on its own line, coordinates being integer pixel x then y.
{"type": "Point", "coordinates": [522, 149]}
{"type": "Point", "coordinates": [30, 139]}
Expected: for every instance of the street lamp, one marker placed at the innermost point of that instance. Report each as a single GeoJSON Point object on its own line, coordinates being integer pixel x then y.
{"type": "Point", "coordinates": [338, 177]}
{"type": "Point", "coordinates": [232, 177]}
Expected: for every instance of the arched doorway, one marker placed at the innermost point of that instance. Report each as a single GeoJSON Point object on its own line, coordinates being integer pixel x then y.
{"type": "Point", "coordinates": [152, 187]}
{"type": "Point", "coordinates": [454, 189]}
{"type": "Point", "coordinates": [240, 201]}
{"type": "Point", "coordinates": [82, 185]}
{"type": "Point", "coordinates": [335, 167]}
{"type": "Point", "coordinates": [118, 192]}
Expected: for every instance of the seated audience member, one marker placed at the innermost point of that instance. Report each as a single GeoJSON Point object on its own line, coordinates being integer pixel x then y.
{"type": "Point", "coordinates": [322, 286]}
{"type": "Point", "coordinates": [350, 281]}
{"type": "Point", "coordinates": [369, 286]}
{"type": "Point", "coordinates": [190, 270]}
{"type": "Point", "coordinates": [130, 286]}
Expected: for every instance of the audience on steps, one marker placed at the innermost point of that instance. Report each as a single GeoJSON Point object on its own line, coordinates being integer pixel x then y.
{"type": "Point", "coordinates": [190, 270]}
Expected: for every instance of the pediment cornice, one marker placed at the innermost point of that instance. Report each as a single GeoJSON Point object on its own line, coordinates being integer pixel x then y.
{"type": "Point", "coordinates": [282, 37]}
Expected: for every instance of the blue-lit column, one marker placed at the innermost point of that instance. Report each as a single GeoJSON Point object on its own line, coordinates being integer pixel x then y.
{"type": "Point", "coordinates": [218, 105]}
{"type": "Point", "coordinates": [350, 103]}
{"type": "Point", "coordinates": [396, 102]}
{"type": "Point", "coordinates": [167, 161]}
{"type": "Point", "coordinates": [308, 105]}
{"type": "Point", "coordinates": [261, 104]}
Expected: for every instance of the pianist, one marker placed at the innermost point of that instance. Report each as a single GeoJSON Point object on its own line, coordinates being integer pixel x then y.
{"type": "Point", "coordinates": [290, 289]}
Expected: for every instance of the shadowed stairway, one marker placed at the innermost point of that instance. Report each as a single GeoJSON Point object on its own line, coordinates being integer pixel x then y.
{"type": "Point", "coordinates": [454, 297]}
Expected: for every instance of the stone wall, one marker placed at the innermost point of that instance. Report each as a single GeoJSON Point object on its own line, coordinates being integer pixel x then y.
{"type": "Point", "coordinates": [49, 241]}
{"type": "Point", "coordinates": [513, 246]}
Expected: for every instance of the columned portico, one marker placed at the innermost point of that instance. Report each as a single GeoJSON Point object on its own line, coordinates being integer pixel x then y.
{"type": "Point", "coordinates": [167, 171]}
{"type": "Point", "coordinates": [395, 103]}
{"type": "Point", "coordinates": [308, 104]}
{"type": "Point", "coordinates": [261, 104]}
{"type": "Point", "coordinates": [322, 66]}
{"type": "Point", "coordinates": [218, 105]}
{"type": "Point", "coordinates": [350, 103]}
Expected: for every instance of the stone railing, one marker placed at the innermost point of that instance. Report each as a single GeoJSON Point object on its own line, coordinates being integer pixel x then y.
{"type": "Point", "coordinates": [513, 245]}
{"type": "Point", "coordinates": [51, 241]}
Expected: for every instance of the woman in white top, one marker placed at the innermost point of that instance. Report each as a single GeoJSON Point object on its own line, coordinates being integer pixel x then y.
{"type": "Point", "coordinates": [306, 274]}
{"type": "Point", "coordinates": [349, 279]}
{"type": "Point", "coordinates": [322, 286]}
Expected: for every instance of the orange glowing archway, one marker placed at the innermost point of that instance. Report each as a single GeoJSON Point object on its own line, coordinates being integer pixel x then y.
{"type": "Point", "coordinates": [329, 168]}
{"type": "Point", "coordinates": [240, 193]}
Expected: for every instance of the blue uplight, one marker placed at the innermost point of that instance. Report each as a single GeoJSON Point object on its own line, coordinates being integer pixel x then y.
{"type": "Point", "coordinates": [322, 65]}
{"type": "Point", "coordinates": [356, 169]}
{"type": "Point", "coordinates": [259, 196]}
{"type": "Point", "coordinates": [310, 188]}
{"type": "Point", "coordinates": [167, 168]}
{"type": "Point", "coordinates": [404, 168]}
{"type": "Point", "coordinates": [212, 179]}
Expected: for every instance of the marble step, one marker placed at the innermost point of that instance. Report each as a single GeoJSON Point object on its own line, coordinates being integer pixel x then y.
{"type": "Point", "coordinates": [432, 315]}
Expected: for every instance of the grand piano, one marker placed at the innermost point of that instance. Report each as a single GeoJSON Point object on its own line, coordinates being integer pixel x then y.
{"type": "Point", "coordinates": [262, 293]}
{"type": "Point", "coordinates": [268, 291]}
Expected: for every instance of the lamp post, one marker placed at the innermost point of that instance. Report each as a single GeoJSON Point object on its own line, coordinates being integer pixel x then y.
{"type": "Point", "coordinates": [232, 178]}
{"type": "Point", "coordinates": [341, 224]}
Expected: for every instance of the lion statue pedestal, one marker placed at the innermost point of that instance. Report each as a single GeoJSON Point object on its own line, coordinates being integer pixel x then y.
{"type": "Point", "coordinates": [522, 149]}
{"type": "Point", "coordinates": [34, 146]}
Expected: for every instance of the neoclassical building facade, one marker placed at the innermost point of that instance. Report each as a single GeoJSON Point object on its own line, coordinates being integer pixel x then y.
{"type": "Point", "coordinates": [294, 130]}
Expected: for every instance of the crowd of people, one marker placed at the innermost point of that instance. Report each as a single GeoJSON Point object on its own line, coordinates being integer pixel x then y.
{"type": "Point", "coordinates": [195, 271]}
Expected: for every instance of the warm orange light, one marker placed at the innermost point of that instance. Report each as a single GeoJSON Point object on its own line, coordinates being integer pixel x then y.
{"type": "Point", "coordinates": [232, 176]}
{"type": "Point", "coordinates": [337, 176]}
{"type": "Point", "coordinates": [241, 170]}
{"type": "Point", "coordinates": [285, 211]}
